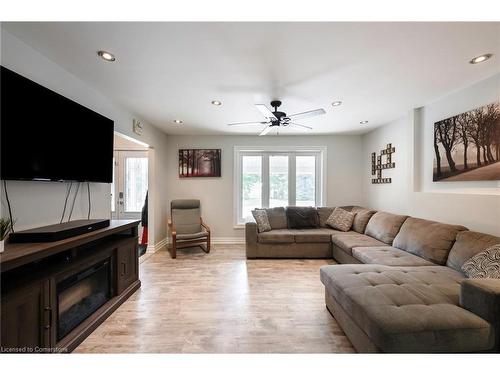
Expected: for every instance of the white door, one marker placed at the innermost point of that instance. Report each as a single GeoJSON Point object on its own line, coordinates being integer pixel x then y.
{"type": "Point", "coordinates": [130, 184]}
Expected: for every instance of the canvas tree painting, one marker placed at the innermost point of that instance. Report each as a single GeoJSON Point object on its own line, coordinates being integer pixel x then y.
{"type": "Point", "coordinates": [467, 146]}
{"type": "Point", "coordinates": [200, 163]}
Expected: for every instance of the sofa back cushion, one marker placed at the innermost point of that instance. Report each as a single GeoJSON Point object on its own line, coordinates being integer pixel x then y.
{"type": "Point", "coordinates": [277, 217]}
{"type": "Point", "coordinates": [323, 215]}
{"type": "Point", "coordinates": [302, 217]}
{"type": "Point", "coordinates": [361, 219]}
{"type": "Point", "coordinates": [384, 226]}
{"type": "Point", "coordinates": [467, 245]}
{"type": "Point", "coordinates": [427, 239]}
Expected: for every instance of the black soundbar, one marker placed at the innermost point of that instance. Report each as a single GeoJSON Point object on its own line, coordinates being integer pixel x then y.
{"type": "Point", "coordinates": [57, 232]}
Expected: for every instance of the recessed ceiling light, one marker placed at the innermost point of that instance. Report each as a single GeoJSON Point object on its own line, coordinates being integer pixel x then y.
{"type": "Point", "coordinates": [363, 122]}
{"type": "Point", "coordinates": [178, 121]}
{"type": "Point", "coordinates": [336, 103]}
{"type": "Point", "coordinates": [481, 58]}
{"type": "Point", "coordinates": [106, 55]}
{"type": "Point", "coordinates": [216, 102]}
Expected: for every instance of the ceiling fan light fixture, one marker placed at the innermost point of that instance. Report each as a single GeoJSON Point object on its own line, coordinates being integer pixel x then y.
{"type": "Point", "coordinates": [216, 102]}
{"type": "Point", "coordinates": [363, 122]}
{"type": "Point", "coordinates": [481, 58]}
{"type": "Point", "coordinates": [336, 103]}
{"type": "Point", "coordinates": [177, 121]}
{"type": "Point", "coordinates": [107, 56]}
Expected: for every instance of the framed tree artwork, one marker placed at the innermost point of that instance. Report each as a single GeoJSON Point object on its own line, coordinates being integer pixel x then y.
{"type": "Point", "coordinates": [467, 146]}
{"type": "Point", "coordinates": [199, 163]}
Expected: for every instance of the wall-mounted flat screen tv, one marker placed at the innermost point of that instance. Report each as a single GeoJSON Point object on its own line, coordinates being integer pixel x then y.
{"type": "Point", "coordinates": [47, 137]}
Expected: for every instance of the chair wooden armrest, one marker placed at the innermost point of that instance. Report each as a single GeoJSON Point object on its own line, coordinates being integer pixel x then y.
{"type": "Point", "coordinates": [204, 225]}
{"type": "Point", "coordinates": [171, 227]}
{"type": "Point", "coordinates": [173, 233]}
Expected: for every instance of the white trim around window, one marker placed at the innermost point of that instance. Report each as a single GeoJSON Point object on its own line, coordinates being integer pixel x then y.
{"type": "Point", "coordinates": [265, 152]}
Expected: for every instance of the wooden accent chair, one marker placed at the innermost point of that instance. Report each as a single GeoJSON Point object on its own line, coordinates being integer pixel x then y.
{"type": "Point", "coordinates": [187, 227]}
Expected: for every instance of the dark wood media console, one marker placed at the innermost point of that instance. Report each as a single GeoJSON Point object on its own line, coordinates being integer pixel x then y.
{"type": "Point", "coordinates": [53, 295]}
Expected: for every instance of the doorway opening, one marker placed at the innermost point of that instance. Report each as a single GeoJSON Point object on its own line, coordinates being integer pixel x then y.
{"type": "Point", "coordinates": [129, 189]}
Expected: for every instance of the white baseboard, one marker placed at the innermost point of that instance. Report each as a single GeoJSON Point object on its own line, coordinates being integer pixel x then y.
{"type": "Point", "coordinates": [228, 240]}
{"type": "Point", "coordinates": [158, 246]}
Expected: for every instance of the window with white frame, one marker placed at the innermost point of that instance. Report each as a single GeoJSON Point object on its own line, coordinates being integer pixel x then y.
{"type": "Point", "coordinates": [278, 178]}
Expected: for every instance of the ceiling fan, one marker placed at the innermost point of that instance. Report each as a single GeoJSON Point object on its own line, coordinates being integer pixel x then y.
{"type": "Point", "coordinates": [275, 119]}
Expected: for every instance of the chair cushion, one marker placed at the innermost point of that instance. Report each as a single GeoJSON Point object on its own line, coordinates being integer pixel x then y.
{"type": "Point", "coordinates": [427, 239]}
{"type": "Point", "coordinates": [389, 256]}
{"type": "Point", "coordinates": [185, 203]}
{"type": "Point", "coordinates": [276, 236]}
{"type": "Point", "coordinates": [323, 214]}
{"type": "Point", "coordinates": [408, 309]}
{"type": "Point", "coordinates": [277, 217]}
{"type": "Point", "coordinates": [302, 217]}
{"type": "Point", "coordinates": [347, 240]}
{"type": "Point", "coordinates": [467, 245]}
{"type": "Point", "coordinates": [186, 220]}
{"type": "Point", "coordinates": [313, 235]}
{"type": "Point", "coordinates": [361, 219]}
{"type": "Point", "coordinates": [384, 226]}
{"type": "Point", "coordinates": [341, 219]}
{"type": "Point", "coordinates": [192, 236]}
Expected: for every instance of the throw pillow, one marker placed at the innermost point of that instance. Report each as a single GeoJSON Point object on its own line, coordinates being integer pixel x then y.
{"type": "Point", "coordinates": [262, 221]}
{"type": "Point", "coordinates": [302, 217]}
{"type": "Point", "coordinates": [341, 219]}
{"type": "Point", "coordinates": [484, 265]}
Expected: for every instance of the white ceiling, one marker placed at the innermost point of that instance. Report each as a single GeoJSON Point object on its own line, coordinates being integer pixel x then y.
{"type": "Point", "coordinates": [167, 71]}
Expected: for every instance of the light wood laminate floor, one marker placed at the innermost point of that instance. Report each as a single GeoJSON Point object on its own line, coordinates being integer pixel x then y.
{"type": "Point", "coordinates": [222, 303]}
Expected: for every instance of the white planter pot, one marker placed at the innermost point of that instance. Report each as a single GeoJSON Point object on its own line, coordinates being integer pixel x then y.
{"type": "Point", "coordinates": [2, 246]}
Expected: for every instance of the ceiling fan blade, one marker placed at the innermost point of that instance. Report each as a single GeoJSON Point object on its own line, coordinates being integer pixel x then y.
{"type": "Point", "coordinates": [302, 126]}
{"type": "Point", "coordinates": [266, 130]}
{"type": "Point", "coordinates": [266, 112]}
{"type": "Point", "coordinates": [248, 123]}
{"type": "Point", "coordinates": [315, 112]}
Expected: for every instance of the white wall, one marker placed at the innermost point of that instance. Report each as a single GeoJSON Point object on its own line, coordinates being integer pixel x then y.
{"type": "Point", "coordinates": [40, 203]}
{"type": "Point", "coordinates": [216, 194]}
{"type": "Point", "coordinates": [391, 197]}
{"type": "Point", "coordinates": [475, 204]}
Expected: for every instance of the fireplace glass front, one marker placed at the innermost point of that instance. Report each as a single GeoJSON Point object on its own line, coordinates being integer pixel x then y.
{"type": "Point", "coordinates": [81, 294]}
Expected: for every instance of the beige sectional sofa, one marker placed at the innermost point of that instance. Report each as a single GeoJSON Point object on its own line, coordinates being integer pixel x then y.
{"type": "Point", "coordinates": [401, 288]}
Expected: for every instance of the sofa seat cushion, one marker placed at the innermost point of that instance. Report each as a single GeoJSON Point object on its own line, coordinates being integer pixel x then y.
{"type": "Point", "coordinates": [427, 239]}
{"type": "Point", "coordinates": [389, 256]}
{"type": "Point", "coordinates": [408, 309]}
{"type": "Point", "coordinates": [314, 235]}
{"type": "Point", "coordinates": [276, 236]}
{"type": "Point", "coordinates": [347, 240]}
{"type": "Point", "coordinates": [384, 226]}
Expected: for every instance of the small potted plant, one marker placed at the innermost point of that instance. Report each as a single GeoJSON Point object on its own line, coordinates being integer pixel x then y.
{"type": "Point", "coordinates": [5, 228]}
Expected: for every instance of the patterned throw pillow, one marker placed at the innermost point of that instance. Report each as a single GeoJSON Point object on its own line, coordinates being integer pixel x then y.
{"type": "Point", "coordinates": [485, 265]}
{"type": "Point", "coordinates": [262, 220]}
{"type": "Point", "coordinates": [341, 219]}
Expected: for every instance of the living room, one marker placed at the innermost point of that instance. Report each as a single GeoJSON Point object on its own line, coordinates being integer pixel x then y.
{"type": "Point", "coordinates": [250, 187]}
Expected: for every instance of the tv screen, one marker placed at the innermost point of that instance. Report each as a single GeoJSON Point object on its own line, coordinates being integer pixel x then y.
{"type": "Point", "coordinates": [45, 136]}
